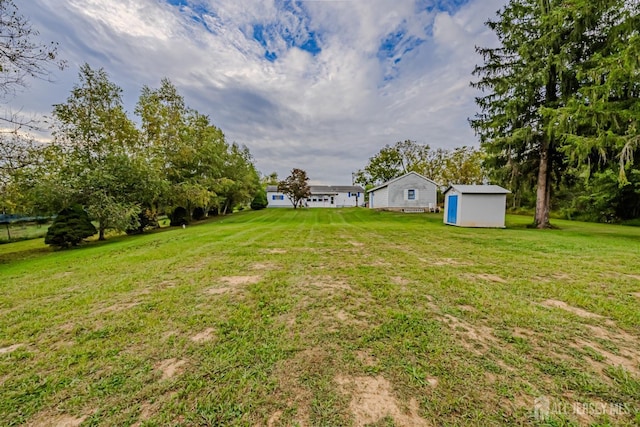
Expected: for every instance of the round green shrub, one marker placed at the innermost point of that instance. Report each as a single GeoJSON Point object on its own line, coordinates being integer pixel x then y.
{"type": "Point", "coordinates": [70, 227]}
{"type": "Point", "coordinates": [259, 201]}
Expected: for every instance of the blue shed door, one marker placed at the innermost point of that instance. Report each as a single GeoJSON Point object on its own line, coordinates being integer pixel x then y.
{"type": "Point", "coordinates": [452, 209]}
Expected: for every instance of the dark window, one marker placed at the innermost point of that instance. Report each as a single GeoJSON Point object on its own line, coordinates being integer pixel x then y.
{"type": "Point", "coordinates": [411, 194]}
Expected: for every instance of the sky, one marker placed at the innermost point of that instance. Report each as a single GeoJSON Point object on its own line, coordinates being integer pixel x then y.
{"type": "Point", "coordinates": [320, 85]}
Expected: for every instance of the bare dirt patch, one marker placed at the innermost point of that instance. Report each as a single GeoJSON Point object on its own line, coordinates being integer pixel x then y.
{"type": "Point", "coordinates": [240, 280]}
{"type": "Point", "coordinates": [522, 333]}
{"type": "Point", "coordinates": [372, 400]}
{"type": "Point", "coordinates": [627, 355]}
{"type": "Point", "coordinates": [48, 420]}
{"type": "Point", "coordinates": [149, 409]}
{"type": "Point", "coordinates": [326, 284]}
{"type": "Point", "coordinates": [11, 348]}
{"type": "Point", "coordinates": [633, 276]}
{"type": "Point", "coordinates": [167, 284]}
{"type": "Point", "coordinates": [475, 338]}
{"type": "Point", "coordinates": [366, 358]}
{"type": "Point", "coordinates": [489, 277]}
{"type": "Point", "coordinates": [146, 411]}
{"type": "Point", "coordinates": [618, 336]}
{"type": "Point", "coordinates": [626, 358]}
{"type": "Point", "coordinates": [204, 336]}
{"type": "Point", "coordinates": [233, 282]}
{"type": "Point", "coordinates": [446, 262]}
{"type": "Point", "coordinates": [357, 244]}
{"type": "Point", "coordinates": [274, 418]}
{"type": "Point", "coordinates": [218, 291]}
{"type": "Point", "coordinates": [636, 294]}
{"type": "Point", "coordinates": [399, 280]}
{"type": "Point", "coordinates": [170, 367]}
{"type": "Point", "coordinates": [575, 310]}
{"type": "Point", "coordinates": [263, 266]}
{"type": "Point", "coordinates": [338, 318]}
{"type": "Point", "coordinates": [118, 307]}
{"type": "Point", "coordinates": [274, 251]}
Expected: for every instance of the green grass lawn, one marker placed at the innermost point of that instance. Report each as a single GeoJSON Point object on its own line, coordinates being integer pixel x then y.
{"type": "Point", "coordinates": [325, 318]}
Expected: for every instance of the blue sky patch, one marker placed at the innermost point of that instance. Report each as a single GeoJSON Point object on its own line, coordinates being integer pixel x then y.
{"type": "Point", "coordinates": [178, 2]}
{"type": "Point", "coordinates": [272, 35]}
{"type": "Point", "coordinates": [392, 50]}
{"type": "Point", "coordinates": [198, 11]}
{"type": "Point", "coordinates": [258, 34]}
{"type": "Point", "coordinates": [389, 44]}
{"type": "Point", "coordinates": [270, 56]}
{"type": "Point", "coordinates": [450, 6]}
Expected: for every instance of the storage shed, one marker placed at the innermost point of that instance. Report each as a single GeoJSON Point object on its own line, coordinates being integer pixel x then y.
{"type": "Point", "coordinates": [410, 192]}
{"type": "Point", "coordinates": [475, 205]}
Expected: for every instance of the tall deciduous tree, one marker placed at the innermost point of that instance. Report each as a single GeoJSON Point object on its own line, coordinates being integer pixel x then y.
{"type": "Point", "coordinates": [295, 186]}
{"type": "Point", "coordinates": [462, 165]}
{"type": "Point", "coordinates": [201, 168]}
{"type": "Point", "coordinates": [98, 140]}
{"type": "Point", "coordinates": [394, 160]}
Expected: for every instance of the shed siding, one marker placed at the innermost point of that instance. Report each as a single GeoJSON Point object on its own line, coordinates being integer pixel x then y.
{"type": "Point", "coordinates": [481, 210]}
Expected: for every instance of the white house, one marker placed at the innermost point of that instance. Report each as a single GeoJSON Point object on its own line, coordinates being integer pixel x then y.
{"type": "Point", "coordinates": [276, 199]}
{"type": "Point", "coordinates": [475, 205]}
{"type": "Point", "coordinates": [322, 196]}
{"type": "Point", "coordinates": [409, 192]}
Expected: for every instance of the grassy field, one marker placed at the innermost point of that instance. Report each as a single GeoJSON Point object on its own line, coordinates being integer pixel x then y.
{"type": "Point", "coordinates": [325, 318]}
{"type": "Point", "coordinates": [22, 231]}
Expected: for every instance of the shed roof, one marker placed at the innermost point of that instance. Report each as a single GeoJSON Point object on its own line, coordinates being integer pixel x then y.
{"type": "Point", "coordinates": [478, 189]}
{"type": "Point", "coordinates": [399, 178]}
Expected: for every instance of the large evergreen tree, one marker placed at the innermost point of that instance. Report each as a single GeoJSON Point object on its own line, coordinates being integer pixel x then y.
{"type": "Point", "coordinates": [535, 80]}
{"type": "Point", "coordinates": [601, 122]}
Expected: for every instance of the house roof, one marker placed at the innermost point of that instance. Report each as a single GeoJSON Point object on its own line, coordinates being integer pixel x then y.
{"type": "Point", "coordinates": [399, 178]}
{"type": "Point", "coordinates": [478, 189]}
{"type": "Point", "coordinates": [325, 189]}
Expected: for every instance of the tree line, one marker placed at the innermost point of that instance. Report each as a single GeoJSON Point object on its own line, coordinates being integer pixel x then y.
{"type": "Point", "coordinates": [175, 161]}
{"type": "Point", "coordinates": [462, 165]}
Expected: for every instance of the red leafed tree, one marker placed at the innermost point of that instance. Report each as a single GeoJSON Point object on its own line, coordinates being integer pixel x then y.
{"type": "Point", "coordinates": [295, 187]}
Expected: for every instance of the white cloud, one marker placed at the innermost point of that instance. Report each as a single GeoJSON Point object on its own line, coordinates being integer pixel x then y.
{"type": "Point", "coordinates": [326, 113]}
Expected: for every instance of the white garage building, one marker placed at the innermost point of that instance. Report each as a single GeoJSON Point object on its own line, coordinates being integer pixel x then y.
{"type": "Point", "coordinates": [475, 205]}
{"type": "Point", "coordinates": [410, 192]}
